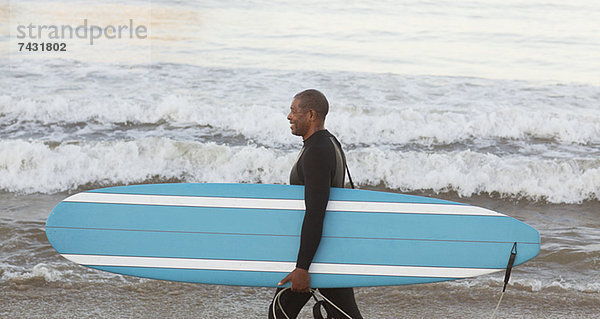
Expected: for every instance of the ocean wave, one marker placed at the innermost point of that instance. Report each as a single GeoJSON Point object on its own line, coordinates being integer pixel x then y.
{"type": "Point", "coordinates": [434, 125]}
{"type": "Point", "coordinates": [256, 122]}
{"type": "Point", "coordinates": [557, 285]}
{"type": "Point", "coordinates": [468, 172]}
{"type": "Point", "coordinates": [379, 109]}
{"type": "Point", "coordinates": [30, 167]}
{"type": "Point", "coordinates": [366, 125]}
{"type": "Point", "coordinates": [37, 167]}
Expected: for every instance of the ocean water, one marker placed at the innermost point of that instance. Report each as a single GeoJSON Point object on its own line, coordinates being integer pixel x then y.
{"type": "Point", "coordinates": [491, 103]}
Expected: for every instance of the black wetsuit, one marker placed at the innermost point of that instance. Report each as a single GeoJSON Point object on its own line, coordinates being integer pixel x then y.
{"type": "Point", "coordinates": [320, 165]}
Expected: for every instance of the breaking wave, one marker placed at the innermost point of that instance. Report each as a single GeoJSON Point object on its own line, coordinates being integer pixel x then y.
{"type": "Point", "coordinates": [45, 167]}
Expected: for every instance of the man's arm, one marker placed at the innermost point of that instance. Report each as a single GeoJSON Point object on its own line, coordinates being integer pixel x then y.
{"type": "Point", "coordinates": [317, 180]}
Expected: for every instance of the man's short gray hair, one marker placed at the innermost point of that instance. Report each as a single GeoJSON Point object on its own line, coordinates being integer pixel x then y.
{"type": "Point", "coordinates": [313, 99]}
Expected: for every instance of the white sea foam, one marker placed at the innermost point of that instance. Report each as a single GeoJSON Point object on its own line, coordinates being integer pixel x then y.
{"type": "Point", "coordinates": [259, 122]}
{"type": "Point", "coordinates": [468, 172]}
{"type": "Point", "coordinates": [358, 124]}
{"type": "Point", "coordinates": [469, 135]}
{"type": "Point", "coordinates": [436, 125]}
{"type": "Point", "coordinates": [33, 166]}
{"type": "Point", "coordinates": [529, 284]}
{"type": "Point", "coordinates": [63, 272]}
{"type": "Point", "coordinates": [43, 271]}
{"type": "Point", "coordinates": [365, 108]}
{"type": "Point", "coordinates": [37, 167]}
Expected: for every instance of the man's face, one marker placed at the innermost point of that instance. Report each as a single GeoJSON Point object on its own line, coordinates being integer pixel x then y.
{"type": "Point", "coordinates": [299, 118]}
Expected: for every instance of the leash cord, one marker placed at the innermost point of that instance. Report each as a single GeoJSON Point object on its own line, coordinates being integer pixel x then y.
{"type": "Point", "coordinates": [314, 292]}
{"type": "Point", "coordinates": [497, 306]}
{"type": "Point", "coordinates": [278, 301]}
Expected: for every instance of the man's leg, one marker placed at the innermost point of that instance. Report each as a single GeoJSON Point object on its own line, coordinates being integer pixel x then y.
{"type": "Point", "coordinates": [291, 302]}
{"type": "Point", "coordinates": [342, 298]}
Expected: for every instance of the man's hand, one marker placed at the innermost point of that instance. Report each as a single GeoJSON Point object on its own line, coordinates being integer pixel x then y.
{"type": "Point", "coordinates": [300, 280]}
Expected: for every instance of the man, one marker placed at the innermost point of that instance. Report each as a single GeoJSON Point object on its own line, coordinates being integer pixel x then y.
{"type": "Point", "coordinates": [320, 165]}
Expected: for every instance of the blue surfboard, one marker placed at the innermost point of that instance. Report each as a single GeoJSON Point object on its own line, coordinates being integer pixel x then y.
{"type": "Point", "coordinates": [249, 234]}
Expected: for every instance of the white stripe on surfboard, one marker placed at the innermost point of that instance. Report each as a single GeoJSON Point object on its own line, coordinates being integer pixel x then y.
{"type": "Point", "coordinates": [276, 266]}
{"type": "Point", "coordinates": [266, 203]}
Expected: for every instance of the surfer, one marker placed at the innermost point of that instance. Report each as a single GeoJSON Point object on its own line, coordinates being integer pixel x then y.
{"type": "Point", "coordinates": [320, 165]}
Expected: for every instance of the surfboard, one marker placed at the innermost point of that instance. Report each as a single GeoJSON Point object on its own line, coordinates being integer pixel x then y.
{"type": "Point", "coordinates": [249, 234]}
